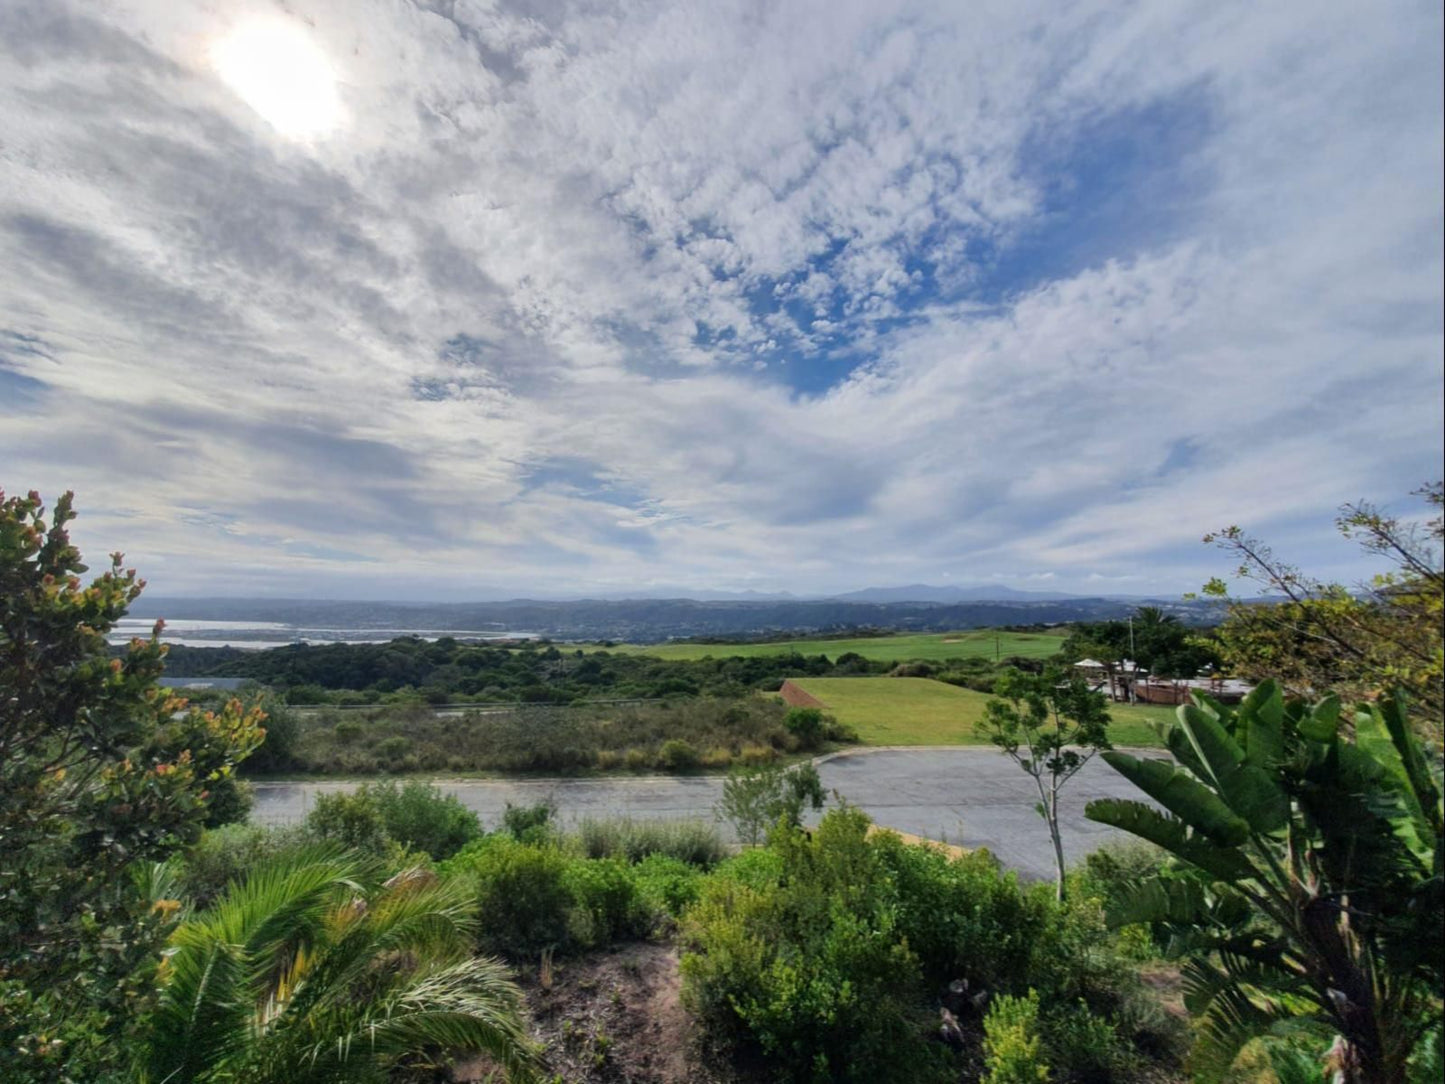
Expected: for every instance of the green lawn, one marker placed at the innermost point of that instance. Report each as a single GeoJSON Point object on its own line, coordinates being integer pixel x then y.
{"type": "Point", "coordinates": [919, 711]}
{"type": "Point", "coordinates": [932, 646]}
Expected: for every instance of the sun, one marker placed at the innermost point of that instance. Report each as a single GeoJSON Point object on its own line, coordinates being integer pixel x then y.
{"type": "Point", "coordinates": [274, 67]}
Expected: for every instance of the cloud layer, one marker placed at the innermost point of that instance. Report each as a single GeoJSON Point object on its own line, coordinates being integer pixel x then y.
{"type": "Point", "coordinates": [602, 296]}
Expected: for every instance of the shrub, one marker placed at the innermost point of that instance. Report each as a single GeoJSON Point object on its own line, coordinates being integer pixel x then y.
{"type": "Point", "coordinates": [522, 895]}
{"type": "Point", "coordinates": [529, 823]}
{"type": "Point", "coordinates": [833, 730]}
{"type": "Point", "coordinates": [1011, 1042]}
{"type": "Point", "coordinates": [757, 754]}
{"type": "Point", "coordinates": [806, 725]}
{"type": "Point", "coordinates": [1085, 1044]}
{"type": "Point", "coordinates": [755, 799]}
{"type": "Point", "coordinates": [608, 759]}
{"type": "Point", "coordinates": [420, 817]}
{"type": "Point", "coordinates": [637, 759]}
{"type": "Point", "coordinates": [277, 753]}
{"type": "Point", "coordinates": [605, 898]}
{"type": "Point", "coordinates": [677, 755]}
{"type": "Point", "coordinates": [666, 885]}
{"type": "Point", "coordinates": [808, 968]}
{"type": "Point", "coordinates": [347, 731]}
{"type": "Point", "coordinates": [718, 756]}
{"type": "Point", "coordinates": [393, 749]}
{"type": "Point", "coordinates": [415, 816]}
{"type": "Point", "coordinates": [694, 842]}
{"type": "Point", "coordinates": [350, 819]}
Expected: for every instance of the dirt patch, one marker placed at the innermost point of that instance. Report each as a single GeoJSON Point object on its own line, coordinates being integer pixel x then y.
{"type": "Point", "coordinates": [795, 697]}
{"type": "Point", "coordinates": [918, 841]}
{"type": "Point", "coordinates": [614, 1017]}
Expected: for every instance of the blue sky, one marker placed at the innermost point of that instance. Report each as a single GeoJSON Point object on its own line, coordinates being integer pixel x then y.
{"type": "Point", "coordinates": [466, 298]}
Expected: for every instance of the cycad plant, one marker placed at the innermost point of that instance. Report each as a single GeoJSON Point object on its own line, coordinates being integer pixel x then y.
{"type": "Point", "coordinates": [309, 971]}
{"type": "Point", "coordinates": [1309, 893]}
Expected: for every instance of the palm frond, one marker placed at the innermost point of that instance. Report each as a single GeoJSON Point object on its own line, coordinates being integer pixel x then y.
{"type": "Point", "coordinates": [468, 1006]}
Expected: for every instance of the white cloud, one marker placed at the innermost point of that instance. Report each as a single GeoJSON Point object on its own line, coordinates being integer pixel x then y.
{"type": "Point", "coordinates": [548, 235]}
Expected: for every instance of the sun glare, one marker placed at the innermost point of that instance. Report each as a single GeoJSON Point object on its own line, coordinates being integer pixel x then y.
{"type": "Point", "coordinates": [276, 69]}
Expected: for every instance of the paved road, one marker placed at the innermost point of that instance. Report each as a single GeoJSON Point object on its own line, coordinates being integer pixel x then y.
{"type": "Point", "coordinates": [974, 797]}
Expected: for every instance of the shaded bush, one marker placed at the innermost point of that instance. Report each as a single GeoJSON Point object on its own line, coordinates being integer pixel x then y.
{"type": "Point", "coordinates": [805, 724]}
{"type": "Point", "coordinates": [677, 755]}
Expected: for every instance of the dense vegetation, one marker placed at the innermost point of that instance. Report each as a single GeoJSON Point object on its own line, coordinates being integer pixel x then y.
{"type": "Point", "coordinates": [675, 735]}
{"type": "Point", "coordinates": [449, 671]}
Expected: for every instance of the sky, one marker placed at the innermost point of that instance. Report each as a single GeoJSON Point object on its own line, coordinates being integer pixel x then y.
{"type": "Point", "coordinates": [460, 299]}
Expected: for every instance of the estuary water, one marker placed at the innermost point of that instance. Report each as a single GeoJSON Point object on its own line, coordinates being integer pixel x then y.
{"type": "Point", "coordinates": [256, 635]}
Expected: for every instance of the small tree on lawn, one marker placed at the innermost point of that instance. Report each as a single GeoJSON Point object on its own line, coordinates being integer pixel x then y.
{"type": "Point", "coordinates": [1051, 725]}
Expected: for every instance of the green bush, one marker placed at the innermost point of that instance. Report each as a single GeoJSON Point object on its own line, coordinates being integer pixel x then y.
{"type": "Point", "coordinates": [666, 886]}
{"type": "Point", "coordinates": [277, 752]}
{"type": "Point", "coordinates": [393, 750]}
{"type": "Point", "coordinates": [805, 724]}
{"type": "Point", "coordinates": [529, 823]}
{"type": "Point", "coordinates": [349, 818]}
{"type": "Point", "coordinates": [754, 799]}
{"type": "Point", "coordinates": [1011, 1046]}
{"type": "Point", "coordinates": [420, 817]}
{"type": "Point", "coordinates": [809, 969]}
{"type": "Point", "coordinates": [524, 903]}
{"type": "Point", "coordinates": [966, 917]}
{"type": "Point", "coordinates": [605, 899]}
{"type": "Point", "coordinates": [1084, 1044]}
{"type": "Point", "coordinates": [677, 755]}
{"type": "Point", "coordinates": [414, 816]}
{"type": "Point", "coordinates": [692, 841]}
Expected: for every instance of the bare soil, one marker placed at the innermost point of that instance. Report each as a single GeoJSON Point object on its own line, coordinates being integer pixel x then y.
{"type": "Point", "coordinates": [796, 697]}
{"type": "Point", "coordinates": [614, 1017]}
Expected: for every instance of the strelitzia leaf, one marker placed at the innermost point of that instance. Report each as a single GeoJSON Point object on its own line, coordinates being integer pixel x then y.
{"type": "Point", "coordinates": [1194, 803]}
{"type": "Point", "coordinates": [1322, 722]}
{"type": "Point", "coordinates": [1213, 746]}
{"type": "Point", "coordinates": [1136, 818]}
{"type": "Point", "coordinates": [1261, 725]}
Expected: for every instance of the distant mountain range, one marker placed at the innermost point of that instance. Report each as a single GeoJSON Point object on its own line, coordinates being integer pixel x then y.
{"type": "Point", "coordinates": [652, 620]}
{"type": "Point", "coordinates": [922, 592]}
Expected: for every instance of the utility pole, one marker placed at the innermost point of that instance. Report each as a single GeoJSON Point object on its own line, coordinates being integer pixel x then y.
{"type": "Point", "coordinates": [1134, 662]}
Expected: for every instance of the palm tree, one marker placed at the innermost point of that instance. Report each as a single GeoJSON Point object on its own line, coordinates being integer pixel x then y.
{"type": "Point", "coordinates": [308, 971]}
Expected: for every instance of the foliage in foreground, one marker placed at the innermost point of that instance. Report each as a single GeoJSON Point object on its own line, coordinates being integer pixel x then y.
{"type": "Point", "coordinates": [1315, 892]}
{"type": "Point", "coordinates": [823, 954]}
{"type": "Point", "coordinates": [100, 772]}
{"type": "Point", "coordinates": [310, 970]}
